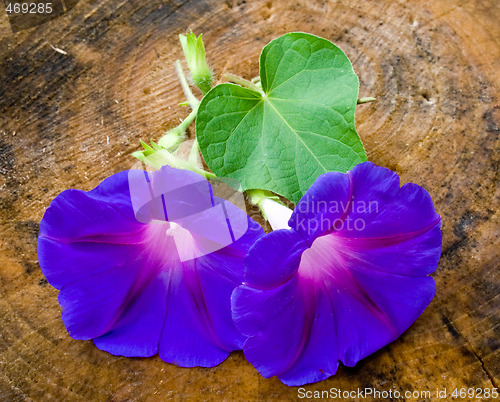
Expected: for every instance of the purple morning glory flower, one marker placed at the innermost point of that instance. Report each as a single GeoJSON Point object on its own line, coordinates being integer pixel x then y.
{"type": "Point", "coordinates": [146, 264]}
{"type": "Point", "coordinates": [347, 277]}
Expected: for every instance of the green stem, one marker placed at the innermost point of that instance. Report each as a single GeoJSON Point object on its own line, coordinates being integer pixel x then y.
{"type": "Point", "coordinates": [193, 100]}
{"type": "Point", "coordinates": [174, 136]}
{"type": "Point", "coordinates": [257, 196]}
{"type": "Point", "coordinates": [193, 154]}
{"type": "Point", "coordinates": [204, 173]}
{"type": "Point", "coordinates": [274, 211]}
{"type": "Point", "coordinates": [189, 119]}
{"type": "Point", "coordinates": [186, 165]}
{"type": "Point", "coordinates": [366, 100]}
{"type": "Point", "coordinates": [163, 157]}
{"type": "Point", "coordinates": [243, 82]}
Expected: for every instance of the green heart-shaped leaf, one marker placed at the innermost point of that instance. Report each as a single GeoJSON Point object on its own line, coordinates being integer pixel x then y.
{"type": "Point", "coordinates": [298, 127]}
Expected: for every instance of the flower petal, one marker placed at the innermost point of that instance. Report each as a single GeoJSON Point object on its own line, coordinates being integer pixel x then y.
{"type": "Point", "coordinates": [415, 256]}
{"type": "Point", "coordinates": [76, 214]}
{"type": "Point", "coordinates": [319, 293]}
{"type": "Point", "coordinates": [401, 298]}
{"type": "Point", "coordinates": [138, 330]}
{"type": "Point", "coordinates": [123, 282]}
{"type": "Point", "coordinates": [199, 330]}
{"type": "Point", "coordinates": [367, 202]}
{"type": "Point", "coordinates": [323, 204]}
{"type": "Point", "coordinates": [372, 188]}
{"type": "Point", "coordinates": [274, 320]}
{"type": "Point", "coordinates": [91, 306]}
{"type": "Point", "coordinates": [385, 227]}
{"type": "Point", "coordinates": [407, 215]}
{"type": "Point", "coordinates": [188, 337]}
{"type": "Point", "coordinates": [289, 333]}
{"type": "Point", "coordinates": [319, 356]}
{"type": "Point", "coordinates": [64, 263]}
{"type": "Point", "coordinates": [85, 233]}
{"type": "Point", "coordinates": [275, 260]}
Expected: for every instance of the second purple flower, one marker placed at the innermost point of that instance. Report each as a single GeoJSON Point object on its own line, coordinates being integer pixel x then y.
{"type": "Point", "coordinates": [346, 278]}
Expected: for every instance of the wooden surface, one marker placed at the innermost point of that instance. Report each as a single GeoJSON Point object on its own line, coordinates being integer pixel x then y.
{"type": "Point", "coordinates": [71, 120]}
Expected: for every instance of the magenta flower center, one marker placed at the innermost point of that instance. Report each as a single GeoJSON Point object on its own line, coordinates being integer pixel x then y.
{"type": "Point", "coordinates": [323, 260]}
{"type": "Point", "coordinates": [170, 242]}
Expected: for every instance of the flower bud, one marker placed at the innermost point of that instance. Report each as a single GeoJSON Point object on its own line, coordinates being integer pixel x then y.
{"type": "Point", "coordinates": [194, 51]}
{"type": "Point", "coordinates": [172, 138]}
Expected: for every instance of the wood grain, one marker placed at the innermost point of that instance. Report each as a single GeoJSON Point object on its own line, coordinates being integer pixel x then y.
{"type": "Point", "coordinates": [72, 120]}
